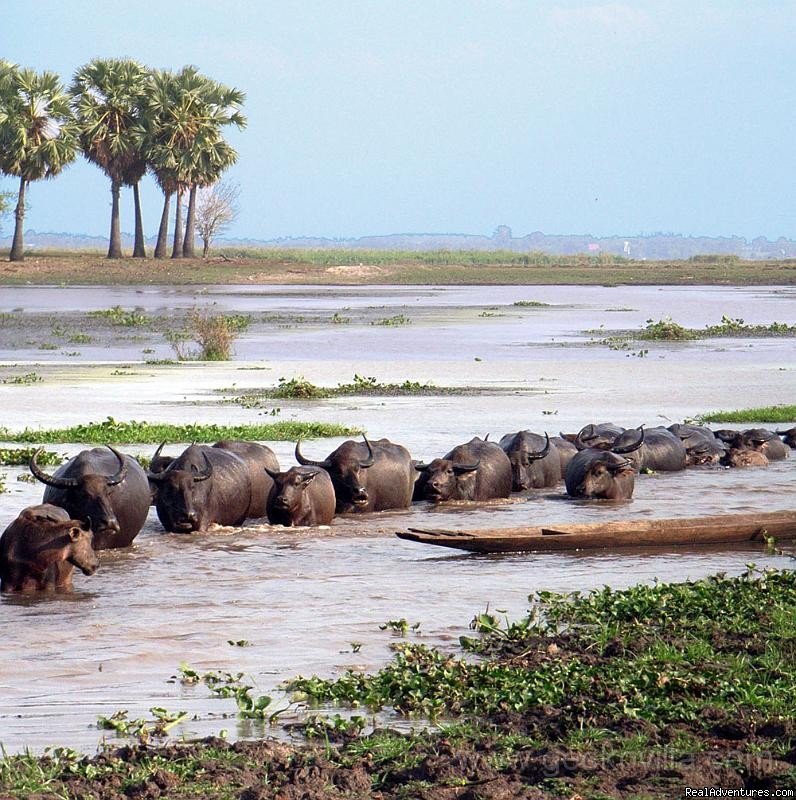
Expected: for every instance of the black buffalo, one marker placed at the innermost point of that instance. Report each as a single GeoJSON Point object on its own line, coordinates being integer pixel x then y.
{"type": "Point", "coordinates": [651, 449]}
{"type": "Point", "coordinates": [40, 549]}
{"type": "Point", "coordinates": [701, 445]}
{"type": "Point", "coordinates": [478, 470]}
{"type": "Point", "coordinates": [766, 442]}
{"type": "Point", "coordinates": [566, 451]}
{"type": "Point", "coordinates": [535, 463]}
{"type": "Point", "coordinates": [600, 474]}
{"type": "Point", "coordinates": [789, 437]}
{"type": "Point", "coordinates": [367, 476]}
{"type": "Point", "coordinates": [103, 487]}
{"type": "Point", "coordinates": [222, 485]}
{"type": "Point", "coordinates": [599, 436]}
{"type": "Point", "coordinates": [302, 496]}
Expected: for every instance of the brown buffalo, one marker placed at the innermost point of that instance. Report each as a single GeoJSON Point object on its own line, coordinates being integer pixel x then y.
{"type": "Point", "coordinates": [302, 496]}
{"type": "Point", "coordinates": [600, 474]}
{"type": "Point", "coordinates": [40, 549]}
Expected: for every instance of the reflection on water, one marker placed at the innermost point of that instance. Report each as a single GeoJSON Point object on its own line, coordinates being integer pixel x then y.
{"type": "Point", "coordinates": [301, 598]}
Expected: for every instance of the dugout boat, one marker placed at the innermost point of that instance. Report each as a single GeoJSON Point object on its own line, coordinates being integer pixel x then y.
{"type": "Point", "coordinates": [685, 531]}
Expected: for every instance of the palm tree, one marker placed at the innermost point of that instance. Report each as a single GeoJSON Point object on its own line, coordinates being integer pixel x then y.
{"type": "Point", "coordinates": [186, 113]}
{"type": "Point", "coordinates": [38, 135]}
{"type": "Point", "coordinates": [109, 100]}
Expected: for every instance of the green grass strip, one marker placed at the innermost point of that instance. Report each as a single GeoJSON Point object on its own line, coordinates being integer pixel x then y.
{"type": "Point", "coordinates": [775, 414]}
{"type": "Point", "coordinates": [112, 431]}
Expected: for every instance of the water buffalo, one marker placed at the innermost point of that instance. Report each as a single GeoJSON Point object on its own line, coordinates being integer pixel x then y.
{"type": "Point", "coordinates": [40, 549]}
{"type": "Point", "coordinates": [600, 474]}
{"type": "Point", "coordinates": [367, 476]}
{"type": "Point", "coordinates": [566, 451]}
{"type": "Point", "coordinates": [767, 442]}
{"type": "Point", "coordinates": [744, 457]}
{"type": "Point", "coordinates": [103, 486]}
{"type": "Point", "coordinates": [652, 449]}
{"type": "Point", "coordinates": [599, 436]}
{"type": "Point", "coordinates": [206, 485]}
{"type": "Point", "coordinates": [478, 470]}
{"type": "Point", "coordinates": [260, 459]}
{"type": "Point", "coordinates": [789, 437]}
{"type": "Point", "coordinates": [302, 496]}
{"type": "Point", "coordinates": [535, 464]}
{"type": "Point", "coordinates": [701, 445]}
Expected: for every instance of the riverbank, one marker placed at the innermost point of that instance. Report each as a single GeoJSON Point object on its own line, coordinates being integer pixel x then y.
{"type": "Point", "coordinates": [349, 267]}
{"type": "Point", "coordinates": [639, 693]}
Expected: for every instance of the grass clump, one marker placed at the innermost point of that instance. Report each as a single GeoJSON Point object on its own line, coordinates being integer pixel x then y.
{"type": "Point", "coordinates": [23, 380]}
{"type": "Point", "coordinates": [772, 414]}
{"type": "Point", "coordinates": [213, 334]}
{"type": "Point", "coordinates": [122, 318]}
{"type": "Point", "coordinates": [112, 431]}
{"type": "Point", "coordinates": [530, 304]}
{"type": "Point", "coordinates": [21, 456]}
{"type": "Point", "coordinates": [299, 388]}
{"type": "Point", "coordinates": [666, 330]}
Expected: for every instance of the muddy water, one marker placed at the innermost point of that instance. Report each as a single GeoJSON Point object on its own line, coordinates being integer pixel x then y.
{"type": "Point", "coordinates": [299, 599]}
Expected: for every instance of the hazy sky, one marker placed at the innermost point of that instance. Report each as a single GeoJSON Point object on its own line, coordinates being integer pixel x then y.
{"type": "Point", "coordinates": [381, 116]}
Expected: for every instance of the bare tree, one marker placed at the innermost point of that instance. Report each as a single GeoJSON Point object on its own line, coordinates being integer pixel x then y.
{"type": "Point", "coordinates": [216, 208]}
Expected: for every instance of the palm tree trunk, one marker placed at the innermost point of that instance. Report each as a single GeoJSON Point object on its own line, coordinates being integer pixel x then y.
{"type": "Point", "coordinates": [190, 226]}
{"type": "Point", "coordinates": [139, 248]}
{"type": "Point", "coordinates": [176, 250]}
{"type": "Point", "coordinates": [163, 230]}
{"type": "Point", "coordinates": [115, 244]}
{"type": "Point", "coordinates": [18, 246]}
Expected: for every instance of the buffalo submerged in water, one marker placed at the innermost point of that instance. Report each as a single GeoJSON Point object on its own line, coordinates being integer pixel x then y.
{"type": "Point", "coordinates": [600, 474]}
{"type": "Point", "coordinates": [224, 484]}
{"type": "Point", "coordinates": [101, 487]}
{"type": "Point", "coordinates": [478, 470]}
{"type": "Point", "coordinates": [40, 549]}
{"type": "Point", "coordinates": [535, 461]}
{"type": "Point", "coordinates": [302, 496]}
{"type": "Point", "coordinates": [367, 476]}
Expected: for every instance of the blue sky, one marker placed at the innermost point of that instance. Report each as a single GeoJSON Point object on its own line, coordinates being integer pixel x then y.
{"type": "Point", "coordinates": [379, 116]}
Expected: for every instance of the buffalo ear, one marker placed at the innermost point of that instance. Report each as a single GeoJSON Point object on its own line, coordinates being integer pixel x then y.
{"type": "Point", "coordinates": [309, 478]}
{"type": "Point", "coordinates": [420, 466]}
{"type": "Point", "coordinates": [74, 533]}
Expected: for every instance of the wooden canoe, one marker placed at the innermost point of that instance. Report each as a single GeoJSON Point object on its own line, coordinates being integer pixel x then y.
{"type": "Point", "coordinates": [719, 529]}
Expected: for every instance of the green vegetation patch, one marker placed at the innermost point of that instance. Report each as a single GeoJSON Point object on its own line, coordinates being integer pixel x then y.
{"type": "Point", "coordinates": [112, 431]}
{"type": "Point", "coordinates": [773, 414]}
{"type": "Point", "coordinates": [21, 456]}
{"type": "Point", "coordinates": [121, 317]}
{"type": "Point", "coordinates": [666, 653]}
{"type": "Point", "coordinates": [611, 694]}
{"type": "Point", "coordinates": [299, 388]}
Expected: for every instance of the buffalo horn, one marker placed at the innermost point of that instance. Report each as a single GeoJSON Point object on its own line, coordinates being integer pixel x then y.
{"type": "Point", "coordinates": [306, 461]}
{"type": "Point", "coordinates": [368, 462]}
{"type": "Point", "coordinates": [420, 466]}
{"type": "Point", "coordinates": [118, 477]}
{"type": "Point", "coordinates": [50, 480]}
{"type": "Point", "coordinates": [208, 470]}
{"type": "Point", "coordinates": [466, 467]}
{"type": "Point", "coordinates": [543, 452]}
{"type": "Point", "coordinates": [629, 448]}
{"type": "Point", "coordinates": [618, 466]}
{"type": "Point", "coordinates": [273, 474]}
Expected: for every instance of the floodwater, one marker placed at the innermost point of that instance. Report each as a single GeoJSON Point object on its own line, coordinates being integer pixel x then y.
{"type": "Point", "coordinates": [300, 600]}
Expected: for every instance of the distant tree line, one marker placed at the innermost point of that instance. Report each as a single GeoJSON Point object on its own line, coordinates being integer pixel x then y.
{"type": "Point", "coordinates": [128, 120]}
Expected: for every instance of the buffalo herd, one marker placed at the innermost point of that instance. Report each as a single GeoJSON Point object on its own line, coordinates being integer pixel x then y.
{"type": "Point", "coordinates": [100, 498]}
